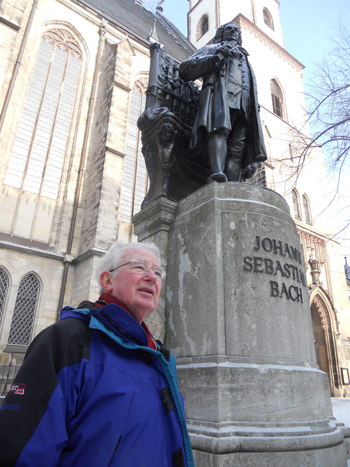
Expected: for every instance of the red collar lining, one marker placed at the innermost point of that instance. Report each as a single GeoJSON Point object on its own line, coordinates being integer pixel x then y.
{"type": "Point", "coordinates": [108, 298]}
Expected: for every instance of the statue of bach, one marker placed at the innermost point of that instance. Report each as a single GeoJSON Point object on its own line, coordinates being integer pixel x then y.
{"type": "Point", "coordinates": [227, 124]}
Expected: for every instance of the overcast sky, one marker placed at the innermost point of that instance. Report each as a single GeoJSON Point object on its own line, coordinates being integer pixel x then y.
{"type": "Point", "coordinates": [307, 27]}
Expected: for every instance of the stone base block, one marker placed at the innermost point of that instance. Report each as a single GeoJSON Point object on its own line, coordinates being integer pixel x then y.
{"type": "Point", "coordinates": [259, 413]}
{"type": "Point", "coordinates": [239, 323]}
{"type": "Point", "coordinates": [221, 389]}
{"type": "Point", "coordinates": [334, 456]}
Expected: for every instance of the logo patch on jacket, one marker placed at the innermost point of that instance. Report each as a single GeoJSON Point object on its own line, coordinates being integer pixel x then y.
{"type": "Point", "coordinates": [18, 389]}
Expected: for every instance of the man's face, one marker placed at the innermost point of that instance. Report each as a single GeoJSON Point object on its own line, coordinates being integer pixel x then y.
{"type": "Point", "coordinates": [140, 293]}
{"type": "Point", "coordinates": [230, 33]}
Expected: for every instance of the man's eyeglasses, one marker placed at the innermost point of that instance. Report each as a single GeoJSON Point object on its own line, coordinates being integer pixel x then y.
{"type": "Point", "coordinates": [139, 266]}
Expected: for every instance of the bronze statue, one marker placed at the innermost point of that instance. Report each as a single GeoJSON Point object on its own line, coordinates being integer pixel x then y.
{"type": "Point", "coordinates": [191, 137]}
{"type": "Point", "coordinates": [227, 124]}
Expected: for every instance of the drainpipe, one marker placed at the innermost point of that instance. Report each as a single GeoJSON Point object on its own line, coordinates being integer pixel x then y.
{"type": "Point", "coordinates": [17, 65]}
{"type": "Point", "coordinates": [67, 261]}
{"type": "Point", "coordinates": [217, 11]}
{"type": "Point", "coordinates": [253, 12]}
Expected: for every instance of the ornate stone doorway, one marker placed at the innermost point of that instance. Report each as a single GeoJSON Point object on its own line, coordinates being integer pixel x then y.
{"type": "Point", "coordinates": [319, 340]}
{"type": "Point", "coordinates": [325, 345]}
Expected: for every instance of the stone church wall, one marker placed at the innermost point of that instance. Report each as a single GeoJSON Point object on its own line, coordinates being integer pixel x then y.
{"type": "Point", "coordinates": [96, 161]}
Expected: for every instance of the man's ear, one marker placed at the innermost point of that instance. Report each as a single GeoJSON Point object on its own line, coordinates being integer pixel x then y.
{"type": "Point", "coordinates": [105, 281]}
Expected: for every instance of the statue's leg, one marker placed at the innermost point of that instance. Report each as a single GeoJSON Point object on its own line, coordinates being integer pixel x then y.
{"type": "Point", "coordinates": [236, 145]}
{"type": "Point", "coordinates": [217, 152]}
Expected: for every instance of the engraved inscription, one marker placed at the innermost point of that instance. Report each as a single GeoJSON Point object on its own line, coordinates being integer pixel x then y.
{"type": "Point", "coordinates": [278, 267]}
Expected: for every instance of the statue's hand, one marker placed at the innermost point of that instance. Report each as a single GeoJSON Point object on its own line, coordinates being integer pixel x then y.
{"type": "Point", "coordinates": [236, 54]}
{"type": "Point", "coordinates": [222, 51]}
{"type": "Point", "coordinates": [214, 60]}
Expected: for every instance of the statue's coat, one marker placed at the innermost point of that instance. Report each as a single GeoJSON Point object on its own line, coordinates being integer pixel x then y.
{"type": "Point", "coordinates": [224, 89]}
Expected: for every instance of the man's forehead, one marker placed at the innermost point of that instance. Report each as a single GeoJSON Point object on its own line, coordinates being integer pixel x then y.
{"type": "Point", "coordinates": [138, 253]}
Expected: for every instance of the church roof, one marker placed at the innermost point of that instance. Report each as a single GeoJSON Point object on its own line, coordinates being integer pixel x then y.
{"type": "Point", "coordinates": [138, 21]}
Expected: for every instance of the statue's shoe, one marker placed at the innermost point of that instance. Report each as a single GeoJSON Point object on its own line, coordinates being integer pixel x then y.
{"type": "Point", "coordinates": [218, 177]}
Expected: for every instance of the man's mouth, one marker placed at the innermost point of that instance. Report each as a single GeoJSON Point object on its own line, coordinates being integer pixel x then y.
{"type": "Point", "coordinates": [146, 290]}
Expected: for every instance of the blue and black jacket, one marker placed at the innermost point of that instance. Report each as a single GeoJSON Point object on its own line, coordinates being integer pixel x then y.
{"type": "Point", "coordinates": [91, 393]}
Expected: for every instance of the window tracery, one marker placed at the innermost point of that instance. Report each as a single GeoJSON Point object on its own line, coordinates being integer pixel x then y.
{"type": "Point", "coordinates": [296, 208]}
{"type": "Point", "coordinates": [135, 177]}
{"type": "Point", "coordinates": [277, 98]}
{"type": "Point", "coordinates": [24, 313]}
{"type": "Point", "coordinates": [306, 209]}
{"type": "Point", "coordinates": [38, 152]}
{"type": "Point", "coordinates": [4, 287]}
{"type": "Point", "coordinates": [202, 27]}
{"type": "Point", "coordinates": [268, 18]}
{"type": "Point", "coordinates": [63, 39]}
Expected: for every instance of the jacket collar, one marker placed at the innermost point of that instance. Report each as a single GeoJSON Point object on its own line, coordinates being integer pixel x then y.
{"type": "Point", "coordinates": [106, 299]}
{"type": "Point", "coordinates": [114, 318]}
{"type": "Point", "coordinates": [118, 320]}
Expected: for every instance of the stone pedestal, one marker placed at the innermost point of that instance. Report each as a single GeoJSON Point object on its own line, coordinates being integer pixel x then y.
{"type": "Point", "coordinates": [152, 224]}
{"type": "Point", "coordinates": [238, 319]}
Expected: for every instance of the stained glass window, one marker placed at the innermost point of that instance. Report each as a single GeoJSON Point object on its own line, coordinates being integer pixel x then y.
{"type": "Point", "coordinates": [4, 287]}
{"type": "Point", "coordinates": [135, 173]}
{"type": "Point", "coordinates": [40, 144]}
{"type": "Point", "coordinates": [277, 101]}
{"type": "Point", "coordinates": [24, 313]}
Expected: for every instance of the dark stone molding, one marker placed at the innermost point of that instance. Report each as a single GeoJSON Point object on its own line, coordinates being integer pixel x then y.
{"type": "Point", "coordinates": [87, 254]}
{"type": "Point", "coordinates": [122, 86]}
{"type": "Point", "coordinates": [29, 246]}
{"type": "Point", "coordinates": [115, 151]}
{"type": "Point", "coordinates": [15, 349]}
{"type": "Point", "coordinates": [8, 23]}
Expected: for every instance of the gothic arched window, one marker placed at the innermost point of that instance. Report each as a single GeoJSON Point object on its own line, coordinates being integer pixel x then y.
{"type": "Point", "coordinates": [296, 208]}
{"type": "Point", "coordinates": [4, 287]}
{"type": "Point", "coordinates": [306, 208]}
{"type": "Point", "coordinates": [40, 144]}
{"type": "Point", "coordinates": [24, 313]}
{"type": "Point", "coordinates": [203, 26]}
{"type": "Point", "coordinates": [277, 98]}
{"type": "Point", "coordinates": [135, 176]}
{"type": "Point", "coordinates": [268, 18]}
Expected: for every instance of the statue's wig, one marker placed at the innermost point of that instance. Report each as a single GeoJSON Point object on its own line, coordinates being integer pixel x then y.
{"type": "Point", "coordinates": [218, 36]}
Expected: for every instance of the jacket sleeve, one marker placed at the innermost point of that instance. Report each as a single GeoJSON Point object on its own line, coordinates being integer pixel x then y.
{"type": "Point", "coordinates": [33, 417]}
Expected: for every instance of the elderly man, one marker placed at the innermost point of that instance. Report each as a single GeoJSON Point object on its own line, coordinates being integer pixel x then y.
{"type": "Point", "coordinates": [227, 124]}
{"type": "Point", "coordinates": [95, 389]}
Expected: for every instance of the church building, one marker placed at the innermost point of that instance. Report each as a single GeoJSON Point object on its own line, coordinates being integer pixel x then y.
{"type": "Point", "coordinates": [73, 82]}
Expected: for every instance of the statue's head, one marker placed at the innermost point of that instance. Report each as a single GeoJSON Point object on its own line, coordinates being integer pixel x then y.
{"type": "Point", "coordinates": [166, 132]}
{"type": "Point", "coordinates": [228, 32]}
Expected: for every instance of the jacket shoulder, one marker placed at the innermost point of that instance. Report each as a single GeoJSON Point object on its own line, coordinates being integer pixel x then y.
{"type": "Point", "coordinates": [67, 341]}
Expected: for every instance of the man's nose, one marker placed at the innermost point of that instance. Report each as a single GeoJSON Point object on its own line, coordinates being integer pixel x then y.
{"type": "Point", "coordinates": [151, 275]}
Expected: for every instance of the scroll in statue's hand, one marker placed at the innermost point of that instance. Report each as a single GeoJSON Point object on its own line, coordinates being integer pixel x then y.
{"type": "Point", "coordinates": [222, 52]}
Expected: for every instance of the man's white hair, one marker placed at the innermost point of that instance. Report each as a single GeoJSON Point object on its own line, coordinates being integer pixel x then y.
{"type": "Point", "coordinates": [113, 256]}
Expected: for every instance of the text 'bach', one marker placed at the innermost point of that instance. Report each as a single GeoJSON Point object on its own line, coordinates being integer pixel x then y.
{"type": "Point", "coordinates": [275, 267]}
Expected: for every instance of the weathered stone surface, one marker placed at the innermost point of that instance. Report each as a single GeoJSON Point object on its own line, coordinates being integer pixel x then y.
{"type": "Point", "coordinates": [214, 231]}
{"type": "Point", "coordinates": [238, 319]}
{"type": "Point", "coordinates": [97, 178]}
{"type": "Point", "coordinates": [152, 224]}
{"type": "Point", "coordinates": [334, 457]}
